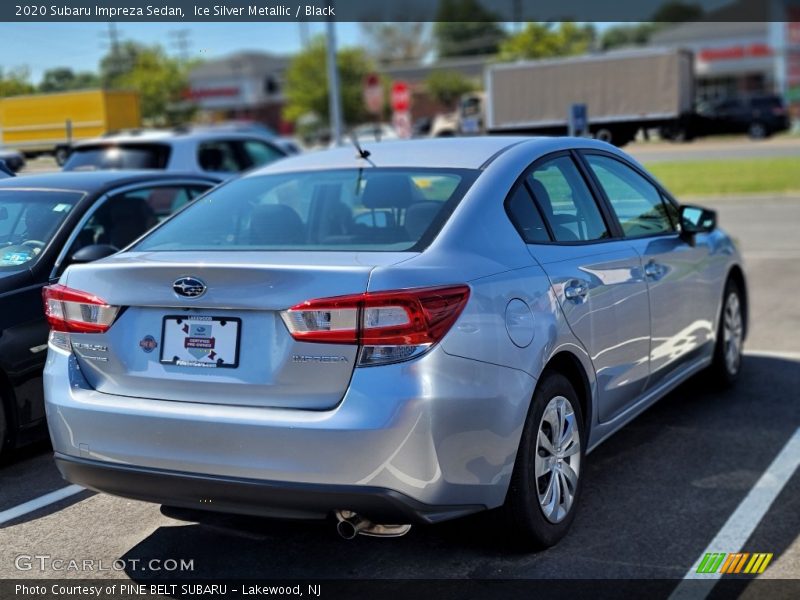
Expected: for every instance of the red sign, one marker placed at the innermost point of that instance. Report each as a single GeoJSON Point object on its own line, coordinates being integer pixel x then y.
{"type": "Point", "coordinates": [199, 94]}
{"type": "Point", "coordinates": [735, 52]}
{"type": "Point", "coordinates": [401, 96]}
{"type": "Point", "coordinates": [373, 93]}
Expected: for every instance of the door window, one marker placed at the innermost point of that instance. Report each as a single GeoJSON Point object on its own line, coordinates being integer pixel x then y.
{"type": "Point", "coordinates": [566, 202]}
{"type": "Point", "coordinates": [638, 204]}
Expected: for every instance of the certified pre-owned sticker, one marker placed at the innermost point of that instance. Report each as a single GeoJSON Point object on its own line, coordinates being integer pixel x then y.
{"type": "Point", "coordinates": [148, 343]}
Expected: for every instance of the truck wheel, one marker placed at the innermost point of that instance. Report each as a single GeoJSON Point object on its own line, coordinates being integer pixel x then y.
{"type": "Point", "coordinates": [61, 155]}
{"type": "Point", "coordinates": [604, 134]}
{"type": "Point", "coordinates": [546, 482]}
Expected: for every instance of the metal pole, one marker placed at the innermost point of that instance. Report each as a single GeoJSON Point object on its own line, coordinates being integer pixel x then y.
{"type": "Point", "coordinates": [334, 94]}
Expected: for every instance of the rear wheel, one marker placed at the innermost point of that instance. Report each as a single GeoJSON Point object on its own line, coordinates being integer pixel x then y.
{"type": "Point", "coordinates": [757, 131]}
{"type": "Point", "coordinates": [546, 482]}
{"type": "Point", "coordinates": [730, 337]}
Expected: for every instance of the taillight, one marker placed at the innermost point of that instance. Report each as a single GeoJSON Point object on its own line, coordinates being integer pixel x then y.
{"type": "Point", "coordinates": [73, 311]}
{"type": "Point", "coordinates": [391, 326]}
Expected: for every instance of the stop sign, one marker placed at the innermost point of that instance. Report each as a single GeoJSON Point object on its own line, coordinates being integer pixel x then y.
{"type": "Point", "coordinates": [373, 93]}
{"type": "Point", "coordinates": [401, 96]}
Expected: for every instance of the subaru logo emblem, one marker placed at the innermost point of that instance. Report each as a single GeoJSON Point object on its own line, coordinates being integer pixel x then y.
{"type": "Point", "coordinates": [189, 287]}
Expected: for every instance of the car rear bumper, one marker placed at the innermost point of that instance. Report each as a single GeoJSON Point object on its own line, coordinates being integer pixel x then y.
{"type": "Point", "coordinates": [436, 436]}
{"type": "Point", "coordinates": [249, 496]}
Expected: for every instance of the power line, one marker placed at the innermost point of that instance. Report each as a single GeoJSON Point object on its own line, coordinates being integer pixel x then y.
{"type": "Point", "coordinates": [182, 42]}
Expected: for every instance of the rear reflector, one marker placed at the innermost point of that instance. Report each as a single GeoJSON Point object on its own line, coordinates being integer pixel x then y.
{"type": "Point", "coordinates": [391, 326]}
{"type": "Point", "coordinates": [73, 311]}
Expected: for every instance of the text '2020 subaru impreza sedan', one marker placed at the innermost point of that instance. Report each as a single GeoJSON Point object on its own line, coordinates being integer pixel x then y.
{"type": "Point", "coordinates": [431, 330]}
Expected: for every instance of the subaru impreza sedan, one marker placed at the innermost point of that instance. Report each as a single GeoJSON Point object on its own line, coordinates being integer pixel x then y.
{"type": "Point", "coordinates": [429, 330]}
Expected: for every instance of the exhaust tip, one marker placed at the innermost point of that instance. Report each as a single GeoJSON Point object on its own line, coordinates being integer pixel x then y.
{"type": "Point", "coordinates": [346, 530]}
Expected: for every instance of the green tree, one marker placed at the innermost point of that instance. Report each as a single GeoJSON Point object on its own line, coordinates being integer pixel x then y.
{"type": "Point", "coordinates": [63, 79]}
{"type": "Point", "coordinates": [393, 42]}
{"type": "Point", "coordinates": [465, 28]}
{"type": "Point", "coordinates": [307, 83]}
{"type": "Point", "coordinates": [447, 87]}
{"type": "Point", "coordinates": [619, 36]}
{"type": "Point", "coordinates": [15, 81]}
{"type": "Point", "coordinates": [159, 78]}
{"type": "Point", "coordinates": [542, 40]}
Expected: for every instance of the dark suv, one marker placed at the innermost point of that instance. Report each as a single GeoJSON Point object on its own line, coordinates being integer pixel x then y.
{"type": "Point", "coordinates": [759, 116]}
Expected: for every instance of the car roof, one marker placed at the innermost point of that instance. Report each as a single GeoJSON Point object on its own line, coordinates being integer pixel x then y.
{"type": "Point", "coordinates": [168, 136]}
{"type": "Point", "coordinates": [95, 181]}
{"type": "Point", "coordinates": [444, 153]}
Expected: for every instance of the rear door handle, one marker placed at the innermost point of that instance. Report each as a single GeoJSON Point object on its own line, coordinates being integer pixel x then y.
{"type": "Point", "coordinates": [575, 290]}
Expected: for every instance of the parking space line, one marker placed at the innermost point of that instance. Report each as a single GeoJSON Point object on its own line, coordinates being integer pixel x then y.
{"type": "Point", "coordinates": [40, 502]}
{"type": "Point", "coordinates": [744, 520]}
{"type": "Point", "coordinates": [773, 354]}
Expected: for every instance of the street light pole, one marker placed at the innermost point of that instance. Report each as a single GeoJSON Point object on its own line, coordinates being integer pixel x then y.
{"type": "Point", "coordinates": [334, 94]}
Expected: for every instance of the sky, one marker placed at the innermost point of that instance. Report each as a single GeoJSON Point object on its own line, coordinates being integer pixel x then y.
{"type": "Point", "coordinates": [42, 46]}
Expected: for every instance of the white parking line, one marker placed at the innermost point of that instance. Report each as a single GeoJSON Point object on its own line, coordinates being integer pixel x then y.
{"type": "Point", "coordinates": [773, 354]}
{"type": "Point", "coordinates": [40, 502]}
{"type": "Point", "coordinates": [744, 520]}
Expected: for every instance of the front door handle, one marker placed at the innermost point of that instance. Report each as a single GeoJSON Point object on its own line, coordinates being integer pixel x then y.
{"type": "Point", "coordinates": [653, 270]}
{"type": "Point", "coordinates": [575, 290]}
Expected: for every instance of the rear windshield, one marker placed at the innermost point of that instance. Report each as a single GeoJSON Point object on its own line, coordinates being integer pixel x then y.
{"type": "Point", "coordinates": [28, 220]}
{"type": "Point", "coordinates": [114, 156]}
{"type": "Point", "coordinates": [353, 209]}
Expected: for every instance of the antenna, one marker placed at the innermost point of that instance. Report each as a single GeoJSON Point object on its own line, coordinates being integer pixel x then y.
{"type": "Point", "coordinates": [365, 154]}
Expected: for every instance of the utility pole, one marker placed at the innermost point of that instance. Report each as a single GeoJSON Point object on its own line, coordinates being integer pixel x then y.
{"type": "Point", "coordinates": [182, 43]}
{"type": "Point", "coordinates": [115, 67]}
{"type": "Point", "coordinates": [334, 94]}
{"type": "Point", "coordinates": [304, 34]}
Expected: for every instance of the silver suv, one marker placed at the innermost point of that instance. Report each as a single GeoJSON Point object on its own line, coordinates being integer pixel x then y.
{"type": "Point", "coordinates": [218, 153]}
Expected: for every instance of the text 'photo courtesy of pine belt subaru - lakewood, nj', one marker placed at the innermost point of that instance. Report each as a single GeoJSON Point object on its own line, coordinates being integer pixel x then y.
{"type": "Point", "coordinates": [402, 333]}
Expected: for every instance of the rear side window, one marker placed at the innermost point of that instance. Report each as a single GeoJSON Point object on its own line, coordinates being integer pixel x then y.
{"type": "Point", "coordinates": [525, 216]}
{"type": "Point", "coordinates": [348, 209]}
{"type": "Point", "coordinates": [637, 203]}
{"type": "Point", "coordinates": [234, 156]}
{"type": "Point", "coordinates": [118, 156]}
{"type": "Point", "coordinates": [566, 202]}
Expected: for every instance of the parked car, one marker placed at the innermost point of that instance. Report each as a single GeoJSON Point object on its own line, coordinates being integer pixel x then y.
{"type": "Point", "coordinates": [4, 170]}
{"type": "Point", "coordinates": [46, 223]}
{"type": "Point", "coordinates": [759, 116]}
{"type": "Point", "coordinates": [13, 159]}
{"type": "Point", "coordinates": [448, 326]}
{"type": "Point", "coordinates": [217, 153]}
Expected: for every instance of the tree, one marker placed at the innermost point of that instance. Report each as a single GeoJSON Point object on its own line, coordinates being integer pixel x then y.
{"type": "Point", "coordinates": [542, 40]}
{"type": "Point", "coordinates": [447, 87]}
{"type": "Point", "coordinates": [160, 80]}
{"type": "Point", "coordinates": [63, 79]}
{"type": "Point", "coordinates": [15, 82]}
{"type": "Point", "coordinates": [465, 28]}
{"type": "Point", "coordinates": [307, 83]}
{"type": "Point", "coordinates": [628, 35]}
{"type": "Point", "coordinates": [393, 42]}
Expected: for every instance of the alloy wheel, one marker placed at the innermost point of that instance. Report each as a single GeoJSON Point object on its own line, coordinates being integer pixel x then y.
{"type": "Point", "coordinates": [557, 460]}
{"type": "Point", "coordinates": [732, 333]}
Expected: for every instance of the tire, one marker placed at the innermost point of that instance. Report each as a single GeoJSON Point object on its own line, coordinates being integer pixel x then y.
{"type": "Point", "coordinates": [61, 155]}
{"type": "Point", "coordinates": [727, 363]}
{"type": "Point", "coordinates": [3, 427]}
{"type": "Point", "coordinates": [530, 520]}
{"type": "Point", "coordinates": [757, 131]}
{"type": "Point", "coordinates": [605, 134]}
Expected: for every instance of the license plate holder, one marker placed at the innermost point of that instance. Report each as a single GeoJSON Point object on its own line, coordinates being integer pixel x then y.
{"type": "Point", "coordinates": [202, 341]}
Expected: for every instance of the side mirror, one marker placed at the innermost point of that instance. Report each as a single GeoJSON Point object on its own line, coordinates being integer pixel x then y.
{"type": "Point", "coordinates": [695, 219]}
{"type": "Point", "coordinates": [92, 253]}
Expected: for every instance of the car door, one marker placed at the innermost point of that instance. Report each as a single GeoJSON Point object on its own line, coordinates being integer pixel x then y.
{"type": "Point", "coordinates": [680, 294]}
{"type": "Point", "coordinates": [596, 277]}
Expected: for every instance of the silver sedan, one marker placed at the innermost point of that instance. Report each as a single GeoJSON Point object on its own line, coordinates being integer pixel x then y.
{"type": "Point", "coordinates": [437, 328]}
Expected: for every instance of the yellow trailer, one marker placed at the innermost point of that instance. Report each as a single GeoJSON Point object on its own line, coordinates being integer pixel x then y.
{"type": "Point", "coordinates": [49, 123]}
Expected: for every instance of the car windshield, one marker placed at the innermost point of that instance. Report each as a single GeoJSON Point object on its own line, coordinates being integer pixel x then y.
{"type": "Point", "coordinates": [350, 209]}
{"type": "Point", "coordinates": [28, 219]}
{"type": "Point", "coordinates": [114, 156]}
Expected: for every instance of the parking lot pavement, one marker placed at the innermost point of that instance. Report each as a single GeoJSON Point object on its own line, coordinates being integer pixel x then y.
{"type": "Point", "coordinates": [715, 149]}
{"type": "Point", "coordinates": [656, 494]}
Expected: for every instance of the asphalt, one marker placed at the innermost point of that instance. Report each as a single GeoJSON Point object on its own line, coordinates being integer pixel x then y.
{"type": "Point", "coordinates": [655, 494]}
